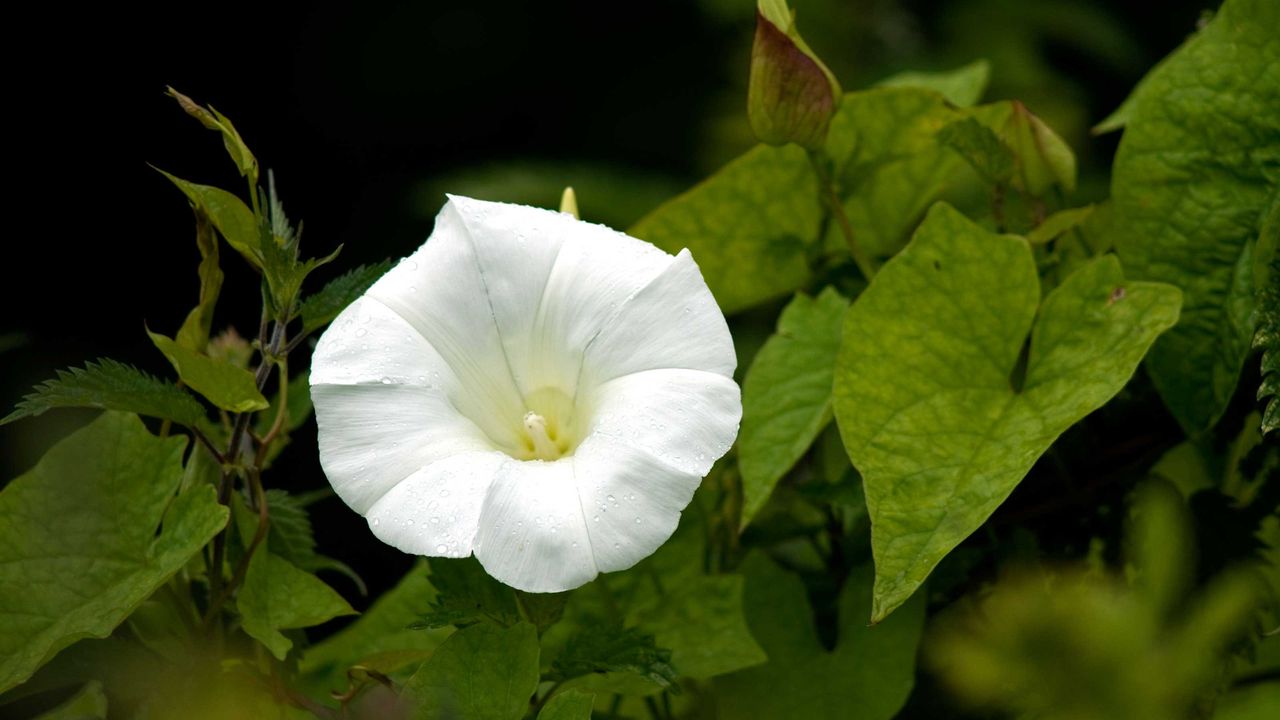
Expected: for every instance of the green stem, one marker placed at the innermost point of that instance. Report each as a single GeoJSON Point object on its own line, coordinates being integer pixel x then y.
{"type": "Point", "coordinates": [866, 264]}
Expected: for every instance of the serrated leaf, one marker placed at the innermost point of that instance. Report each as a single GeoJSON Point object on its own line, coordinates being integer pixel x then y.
{"type": "Point", "coordinates": [1266, 317]}
{"type": "Point", "coordinates": [568, 705]}
{"type": "Point", "coordinates": [194, 333]}
{"type": "Point", "coordinates": [747, 226]}
{"type": "Point", "coordinates": [233, 219]}
{"type": "Point", "coordinates": [867, 676]}
{"type": "Point", "coordinates": [930, 402]}
{"type": "Point", "coordinates": [320, 308]}
{"type": "Point", "coordinates": [80, 537]}
{"type": "Point", "coordinates": [482, 672]}
{"type": "Point", "coordinates": [277, 595]}
{"type": "Point", "coordinates": [465, 594]}
{"type": "Point", "coordinates": [1192, 176]}
{"type": "Point", "coordinates": [221, 383]}
{"type": "Point", "coordinates": [111, 385]}
{"type": "Point", "coordinates": [380, 636]}
{"type": "Point", "coordinates": [614, 649]}
{"type": "Point", "coordinates": [786, 396]}
{"type": "Point", "coordinates": [961, 87]}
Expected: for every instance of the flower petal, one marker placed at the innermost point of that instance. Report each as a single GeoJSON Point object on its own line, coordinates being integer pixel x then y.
{"type": "Point", "coordinates": [372, 437]}
{"type": "Point", "coordinates": [532, 534]}
{"type": "Point", "coordinates": [436, 510]}
{"type": "Point", "coordinates": [439, 291]}
{"type": "Point", "coordinates": [556, 286]}
{"type": "Point", "coordinates": [673, 322]}
{"type": "Point", "coordinates": [686, 419]}
{"type": "Point", "coordinates": [632, 500]}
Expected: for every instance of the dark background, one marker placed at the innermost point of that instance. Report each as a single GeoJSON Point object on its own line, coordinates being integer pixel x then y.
{"type": "Point", "coordinates": [369, 112]}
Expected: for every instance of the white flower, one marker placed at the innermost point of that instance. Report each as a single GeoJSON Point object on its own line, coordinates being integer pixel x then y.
{"type": "Point", "coordinates": [544, 392]}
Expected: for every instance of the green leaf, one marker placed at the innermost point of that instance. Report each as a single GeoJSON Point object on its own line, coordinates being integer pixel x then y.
{"type": "Point", "coordinates": [482, 672]}
{"type": "Point", "coordinates": [379, 638]}
{"type": "Point", "coordinates": [233, 219]}
{"type": "Point", "coordinates": [90, 703]}
{"type": "Point", "coordinates": [568, 705]}
{"type": "Point", "coordinates": [1266, 318]}
{"type": "Point", "coordinates": [702, 624]}
{"type": "Point", "coordinates": [276, 596]}
{"type": "Point", "coordinates": [786, 396]}
{"type": "Point", "coordinates": [1057, 224]}
{"type": "Point", "coordinates": [1192, 177]}
{"type": "Point", "coordinates": [221, 383]}
{"type": "Point", "coordinates": [320, 308]}
{"type": "Point", "coordinates": [216, 121]}
{"type": "Point", "coordinates": [80, 538]}
{"type": "Point", "coordinates": [747, 226]}
{"type": "Point", "coordinates": [961, 87]}
{"type": "Point", "coordinates": [929, 398]}
{"type": "Point", "coordinates": [194, 333]}
{"type": "Point", "coordinates": [614, 649]}
{"type": "Point", "coordinates": [542, 609]}
{"type": "Point", "coordinates": [291, 537]}
{"type": "Point", "coordinates": [889, 164]}
{"type": "Point", "coordinates": [981, 148]}
{"type": "Point", "coordinates": [111, 385]}
{"type": "Point", "coordinates": [866, 677]}
{"type": "Point", "coordinates": [465, 594]}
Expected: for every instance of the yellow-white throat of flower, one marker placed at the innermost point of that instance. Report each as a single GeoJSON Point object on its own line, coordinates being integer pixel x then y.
{"type": "Point", "coordinates": [540, 391]}
{"type": "Point", "coordinates": [550, 427]}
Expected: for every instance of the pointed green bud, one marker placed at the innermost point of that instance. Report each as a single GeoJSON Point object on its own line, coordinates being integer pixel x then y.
{"type": "Point", "coordinates": [1044, 159]}
{"type": "Point", "coordinates": [214, 120]}
{"type": "Point", "coordinates": [792, 95]}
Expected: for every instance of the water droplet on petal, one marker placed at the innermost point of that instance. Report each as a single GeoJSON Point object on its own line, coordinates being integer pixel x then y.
{"type": "Point", "coordinates": [361, 332]}
{"type": "Point", "coordinates": [637, 519]}
{"type": "Point", "coordinates": [386, 381]}
{"type": "Point", "coordinates": [441, 548]}
{"type": "Point", "coordinates": [435, 518]}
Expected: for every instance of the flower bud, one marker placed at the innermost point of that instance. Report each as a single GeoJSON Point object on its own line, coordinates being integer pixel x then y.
{"type": "Point", "coordinates": [792, 95]}
{"type": "Point", "coordinates": [1044, 159]}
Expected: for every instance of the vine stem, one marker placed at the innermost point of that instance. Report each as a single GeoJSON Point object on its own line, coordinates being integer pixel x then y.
{"type": "Point", "coordinates": [866, 264]}
{"type": "Point", "coordinates": [230, 461]}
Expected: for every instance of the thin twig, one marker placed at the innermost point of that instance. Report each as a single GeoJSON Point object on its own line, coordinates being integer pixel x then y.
{"type": "Point", "coordinates": [865, 263]}
{"type": "Point", "coordinates": [264, 521]}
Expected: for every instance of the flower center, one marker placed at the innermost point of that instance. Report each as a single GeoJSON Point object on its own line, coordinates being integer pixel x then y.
{"type": "Point", "coordinates": [548, 428]}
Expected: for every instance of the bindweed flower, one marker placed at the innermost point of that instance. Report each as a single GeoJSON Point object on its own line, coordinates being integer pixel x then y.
{"type": "Point", "coordinates": [543, 392]}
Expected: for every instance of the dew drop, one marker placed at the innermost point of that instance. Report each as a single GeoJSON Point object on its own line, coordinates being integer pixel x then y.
{"type": "Point", "coordinates": [386, 381]}
{"type": "Point", "coordinates": [617, 546]}
{"type": "Point", "coordinates": [361, 332]}
{"type": "Point", "coordinates": [412, 265]}
{"type": "Point", "coordinates": [441, 548]}
{"type": "Point", "coordinates": [435, 519]}
{"type": "Point", "coordinates": [376, 522]}
{"type": "Point", "coordinates": [637, 519]}
{"type": "Point", "coordinates": [444, 493]}
{"type": "Point", "coordinates": [596, 518]}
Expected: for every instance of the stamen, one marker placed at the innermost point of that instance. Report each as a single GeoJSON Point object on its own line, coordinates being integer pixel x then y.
{"type": "Point", "coordinates": [543, 446]}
